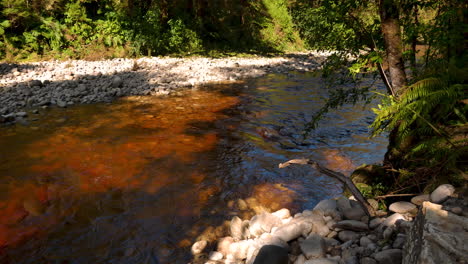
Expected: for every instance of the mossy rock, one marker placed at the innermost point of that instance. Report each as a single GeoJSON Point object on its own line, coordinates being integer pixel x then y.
{"type": "Point", "coordinates": [368, 174]}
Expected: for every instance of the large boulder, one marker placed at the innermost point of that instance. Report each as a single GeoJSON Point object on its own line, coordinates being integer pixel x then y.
{"type": "Point", "coordinates": [437, 236]}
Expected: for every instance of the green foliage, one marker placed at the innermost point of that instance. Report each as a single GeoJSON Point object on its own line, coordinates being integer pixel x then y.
{"type": "Point", "coordinates": [426, 120]}
{"type": "Point", "coordinates": [182, 39]}
{"type": "Point", "coordinates": [78, 28]}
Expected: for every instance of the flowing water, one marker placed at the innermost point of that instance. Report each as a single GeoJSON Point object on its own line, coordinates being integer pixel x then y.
{"type": "Point", "coordinates": [139, 180]}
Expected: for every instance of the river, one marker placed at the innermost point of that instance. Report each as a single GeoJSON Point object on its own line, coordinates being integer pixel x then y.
{"type": "Point", "coordinates": [140, 179]}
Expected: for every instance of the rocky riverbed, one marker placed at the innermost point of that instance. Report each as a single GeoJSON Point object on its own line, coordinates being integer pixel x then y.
{"type": "Point", "coordinates": [337, 231]}
{"type": "Point", "coordinates": [28, 86]}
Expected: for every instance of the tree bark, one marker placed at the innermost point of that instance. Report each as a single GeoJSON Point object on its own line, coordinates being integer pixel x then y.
{"type": "Point", "coordinates": [389, 17]}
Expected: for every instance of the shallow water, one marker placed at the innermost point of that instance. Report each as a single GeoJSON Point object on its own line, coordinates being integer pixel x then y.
{"type": "Point", "coordinates": [139, 180]}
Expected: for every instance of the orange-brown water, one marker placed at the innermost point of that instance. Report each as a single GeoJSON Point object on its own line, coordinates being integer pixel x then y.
{"type": "Point", "coordinates": [139, 180]}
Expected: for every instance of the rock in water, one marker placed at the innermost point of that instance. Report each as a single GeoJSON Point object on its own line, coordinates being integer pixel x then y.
{"type": "Point", "coordinates": [236, 228]}
{"type": "Point", "coordinates": [442, 193]}
{"type": "Point", "coordinates": [272, 255]}
{"type": "Point", "coordinates": [198, 247]}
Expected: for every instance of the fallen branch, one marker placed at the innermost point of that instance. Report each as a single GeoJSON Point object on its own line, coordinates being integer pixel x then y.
{"type": "Point", "coordinates": [395, 195]}
{"type": "Point", "coordinates": [339, 176]}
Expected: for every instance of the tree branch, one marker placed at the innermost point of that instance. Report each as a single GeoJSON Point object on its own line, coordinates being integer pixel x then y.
{"type": "Point", "coordinates": [368, 209]}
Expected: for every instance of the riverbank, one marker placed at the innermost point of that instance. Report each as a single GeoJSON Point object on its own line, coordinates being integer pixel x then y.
{"type": "Point", "coordinates": [338, 231]}
{"type": "Point", "coordinates": [29, 86]}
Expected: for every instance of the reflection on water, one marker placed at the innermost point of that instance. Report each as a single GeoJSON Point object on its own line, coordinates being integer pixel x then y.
{"type": "Point", "coordinates": [137, 181]}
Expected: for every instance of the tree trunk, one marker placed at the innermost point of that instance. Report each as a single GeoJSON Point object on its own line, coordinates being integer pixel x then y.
{"type": "Point", "coordinates": [414, 37]}
{"type": "Point", "coordinates": [389, 17]}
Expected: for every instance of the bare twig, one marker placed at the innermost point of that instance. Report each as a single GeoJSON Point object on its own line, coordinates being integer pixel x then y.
{"type": "Point", "coordinates": [395, 195]}
{"type": "Point", "coordinates": [339, 176]}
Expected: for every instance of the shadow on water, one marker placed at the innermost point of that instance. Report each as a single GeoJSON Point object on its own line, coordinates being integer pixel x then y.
{"type": "Point", "coordinates": [139, 180]}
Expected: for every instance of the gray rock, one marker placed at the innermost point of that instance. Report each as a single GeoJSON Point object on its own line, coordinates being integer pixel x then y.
{"type": "Point", "coordinates": [35, 83]}
{"type": "Point", "coordinates": [347, 235]}
{"type": "Point", "coordinates": [198, 247]}
{"type": "Point", "coordinates": [391, 220]}
{"type": "Point", "coordinates": [442, 193]}
{"type": "Point", "coordinates": [61, 103]}
{"type": "Point", "coordinates": [313, 246]}
{"type": "Point", "coordinates": [365, 241]}
{"type": "Point", "coordinates": [351, 260]}
{"type": "Point", "coordinates": [418, 200]}
{"type": "Point", "coordinates": [389, 256]}
{"type": "Point", "coordinates": [374, 223]}
{"type": "Point", "coordinates": [343, 203]}
{"type": "Point", "coordinates": [81, 88]}
{"type": "Point", "coordinates": [117, 82]}
{"type": "Point", "coordinates": [352, 225]}
{"type": "Point", "coordinates": [215, 255]}
{"type": "Point", "coordinates": [368, 260]}
{"type": "Point", "coordinates": [354, 213]}
{"type": "Point", "coordinates": [388, 232]}
{"type": "Point", "coordinates": [326, 206]}
{"type": "Point", "coordinates": [272, 255]}
{"type": "Point", "coordinates": [402, 207]}
{"type": "Point", "coordinates": [457, 210]}
{"type": "Point", "coordinates": [331, 242]}
{"type": "Point", "coordinates": [399, 241]}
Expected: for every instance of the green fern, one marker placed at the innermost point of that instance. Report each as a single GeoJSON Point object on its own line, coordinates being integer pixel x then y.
{"type": "Point", "coordinates": [425, 118]}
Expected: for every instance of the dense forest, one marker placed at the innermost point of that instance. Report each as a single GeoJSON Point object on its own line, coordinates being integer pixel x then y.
{"type": "Point", "coordinates": [417, 48]}
{"type": "Point", "coordinates": [133, 28]}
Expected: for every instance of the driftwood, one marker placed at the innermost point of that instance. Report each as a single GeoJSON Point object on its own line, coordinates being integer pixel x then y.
{"type": "Point", "coordinates": [339, 176]}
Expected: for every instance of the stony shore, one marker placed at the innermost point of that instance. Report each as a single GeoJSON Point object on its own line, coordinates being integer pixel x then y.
{"type": "Point", "coordinates": [429, 229]}
{"type": "Point", "coordinates": [28, 86]}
